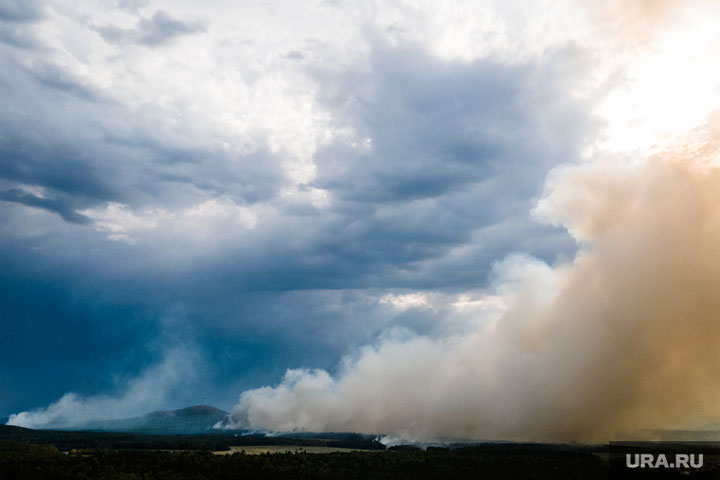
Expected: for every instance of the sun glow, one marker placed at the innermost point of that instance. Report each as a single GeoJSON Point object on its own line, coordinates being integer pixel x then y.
{"type": "Point", "coordinates": [668, 89]}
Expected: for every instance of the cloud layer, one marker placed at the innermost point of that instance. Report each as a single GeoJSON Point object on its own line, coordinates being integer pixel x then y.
{"type": "Point", "coordinates": [161, 160]}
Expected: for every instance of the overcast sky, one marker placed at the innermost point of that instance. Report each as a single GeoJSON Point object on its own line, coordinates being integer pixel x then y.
{"type": "Point", "coordinates": [195, 197]}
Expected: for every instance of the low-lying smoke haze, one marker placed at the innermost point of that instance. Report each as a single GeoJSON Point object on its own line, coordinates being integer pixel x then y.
{"type": "Point", "coordinates": [480, 220]}
{"type": "Point", "coordinates": [152, 389]}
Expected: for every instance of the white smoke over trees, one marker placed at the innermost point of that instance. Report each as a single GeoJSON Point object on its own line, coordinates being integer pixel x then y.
{"type": "Point", "coordinates": [151, 389]}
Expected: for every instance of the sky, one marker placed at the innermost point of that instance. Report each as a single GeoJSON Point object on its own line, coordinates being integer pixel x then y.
{"type": "Point", "coordinates": [476, 219]}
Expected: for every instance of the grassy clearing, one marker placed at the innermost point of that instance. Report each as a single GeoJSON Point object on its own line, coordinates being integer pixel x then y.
{"type": "Point", "coordinates": [262, 449]}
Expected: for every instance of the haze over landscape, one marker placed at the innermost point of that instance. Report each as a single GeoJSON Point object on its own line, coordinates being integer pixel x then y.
{"type": "Point", "coordinates": [425, 220]}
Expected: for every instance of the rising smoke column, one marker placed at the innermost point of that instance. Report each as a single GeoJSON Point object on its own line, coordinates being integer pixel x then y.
{"type": "Point", "coordinates": [622, 338]}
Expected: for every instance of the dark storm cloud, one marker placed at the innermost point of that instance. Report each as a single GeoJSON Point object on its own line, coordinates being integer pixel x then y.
{"type": "Point", "coordinates": [47, 138]}
{"type": "Point", "coordinates": [450, 149]}
{"type": "Point", "coordinates": [56, 78]}
{"type": "Point", "coordinates": [132, 5]}
{"type": "Point", "coordinates": [436, 127]}
{"type": "Point", "coordinates": [65, 135]}
{"type": "Point", "coordinates": [65, 211]}
{"type": "Point", "coordinates": [439, 194]}
{"type": "Point", "coordinates": [157, 30]}
{"type": "Point", "coordinates": [21, 11]}
{"type": "Point", "coordinates": [19, 37]}
{"type": "Point", "coordinates": [16, 21]}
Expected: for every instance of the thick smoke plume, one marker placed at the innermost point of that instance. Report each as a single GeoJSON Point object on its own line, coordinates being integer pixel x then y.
{"type": "Point", "coordinates": [623, 337]}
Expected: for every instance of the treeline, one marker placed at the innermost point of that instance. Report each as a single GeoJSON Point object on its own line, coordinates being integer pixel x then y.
{"type": "Point", "coordinates": [26, 461]}
{"type": "Point", "coordinates": [68, 440]}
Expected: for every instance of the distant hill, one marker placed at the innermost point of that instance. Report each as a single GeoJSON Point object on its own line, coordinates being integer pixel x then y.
{"type": "Point", "coordinates": [191, 420]}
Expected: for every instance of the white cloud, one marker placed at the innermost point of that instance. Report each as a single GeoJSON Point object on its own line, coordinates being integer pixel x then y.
{"type": "Point", "coordinates": [468, 302]}
{"type": "Point", "coordinates": [199, 221]}
{"type": "Point", "coordinates": [407, 301]}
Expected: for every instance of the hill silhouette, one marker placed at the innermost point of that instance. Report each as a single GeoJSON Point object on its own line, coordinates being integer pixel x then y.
{"type": "Point", "coordinates": [190, 420]}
